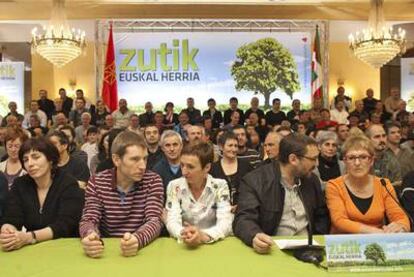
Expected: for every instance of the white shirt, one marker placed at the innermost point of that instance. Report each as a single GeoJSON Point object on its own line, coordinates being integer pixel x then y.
{"type": "Point", "coordinates": [42, 116]}
{"type": "Point", "coordinates": [340, 117]}
{"type": "Point", "coordinates": [210, 213]}
{"type": "Point", "coordinates": [121, 119]}
{"type": "Point", "coordinates": [91, 150]}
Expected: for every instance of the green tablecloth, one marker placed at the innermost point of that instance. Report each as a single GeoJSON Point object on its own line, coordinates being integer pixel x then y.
{"type": "Point", "coordinates": [163, 257]}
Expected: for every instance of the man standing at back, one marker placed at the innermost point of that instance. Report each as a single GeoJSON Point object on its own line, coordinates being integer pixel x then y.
{"type": "Point", "coordinates": [193, 113]}
{"type": "Point", "coordinates": [122, 114]}
{"type": "Point", "coordinates": [130, 185]}
{"type": "Point", "coordinates": [45, 104]}
{"type": "Point", "coordinates": [282, 198]}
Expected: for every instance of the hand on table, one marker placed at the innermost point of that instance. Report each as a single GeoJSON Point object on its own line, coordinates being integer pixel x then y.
{"type": "Point", "coordinates": [92, 245]}
{"type": "Point", "coordinates": [394, 227]}
{"type": "Point", "coordinates": [129, 245]}
{"type": "Point", "coordinates": [262, 243]}
{"type": "Point", "coordinates": [192, 236]}
{"type": "Point", "coordinates": [11, 239]}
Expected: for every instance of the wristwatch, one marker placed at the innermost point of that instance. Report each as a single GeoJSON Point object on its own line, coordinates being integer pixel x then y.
{"type": "Point", "coordinates": [34, 239]}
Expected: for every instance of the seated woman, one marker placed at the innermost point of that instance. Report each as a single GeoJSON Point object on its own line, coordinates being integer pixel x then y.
{"type": "Point", "coordinates": [3, 193]}
{"type": "Point", "coordinates": [46, 201]}
{"type": "Point", "coordinates": [329, 166]}
{"type": "Point", "coordinates": [229, 167]}
{"type": "Point", "coordinates": [198, 206]}
{"type": "Point", "coordinates": [359, 202]}
{"type": "Point", "coordinates": [12, 167]}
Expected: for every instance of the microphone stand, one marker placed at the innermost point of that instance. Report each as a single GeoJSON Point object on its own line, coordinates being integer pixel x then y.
{"type": "Point", "coordinates": [309, 253]}
{"type": "Point", "coordinates": [384, 184]}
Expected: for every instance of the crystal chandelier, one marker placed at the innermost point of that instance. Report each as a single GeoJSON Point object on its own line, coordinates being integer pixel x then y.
{"type": "Point", "coordinates": [377, 45]}
{"type": "Point", "coordinates": [58, 43]}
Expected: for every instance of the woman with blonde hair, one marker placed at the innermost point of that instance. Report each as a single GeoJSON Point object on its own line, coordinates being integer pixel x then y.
{"type": "Point", "coordinates": [359, 202]}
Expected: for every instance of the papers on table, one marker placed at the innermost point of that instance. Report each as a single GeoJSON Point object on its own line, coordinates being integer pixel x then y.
{"type": "Point", "coordinates": [292, 243]}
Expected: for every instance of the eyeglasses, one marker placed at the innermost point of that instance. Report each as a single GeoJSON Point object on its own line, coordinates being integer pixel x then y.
{"type": "Point", "coordinates": [361, 158]}
{"type": "Point", "coordinates": [313, 159]}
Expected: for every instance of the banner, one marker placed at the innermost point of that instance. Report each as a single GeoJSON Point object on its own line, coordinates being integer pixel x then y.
{"type": "Point", "coordinates": [11, 86]}
{"type": "Point", "coordinates": [171, 66]}
{"type": "Point", "coordinates": [370, 252]}
{"type": "Point", "coordinates": [407, 82]}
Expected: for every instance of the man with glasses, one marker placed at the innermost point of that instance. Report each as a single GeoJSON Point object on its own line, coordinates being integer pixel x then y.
{"type": "Point", "coordinates": [282, 198]}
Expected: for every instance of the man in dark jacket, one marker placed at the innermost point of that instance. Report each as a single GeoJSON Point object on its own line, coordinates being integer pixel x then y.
{"type": "Point", "coordinates": [282, 198]}
{"type": "Point", "coordinates": [169, 166]}
{"type": "Point", "coordinates": [45, 104]}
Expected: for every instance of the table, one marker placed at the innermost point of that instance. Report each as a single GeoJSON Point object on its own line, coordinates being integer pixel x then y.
{"type": "Point", "coordinates": [163, 257]}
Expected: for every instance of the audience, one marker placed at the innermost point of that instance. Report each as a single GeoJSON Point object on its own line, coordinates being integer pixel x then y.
{"type": "Point", "coordinates": [152, 138]}
{"type": "Point", "coordinates": [168, 167]}
{"type": "Point", "coordinates": [230, 167]}
{"type": "Point", "coordinates": [72, 165]}
{"type": "Point", "coordinates": [213, 113]}
{"type": "Point", "coordinates": [167, 159]}
{"type": "Point", "coordinates": [12, 167]}
{"type": "Point", "coordinates": [329, 166]}
{"type": "Point", "coordinates": [385, 163]}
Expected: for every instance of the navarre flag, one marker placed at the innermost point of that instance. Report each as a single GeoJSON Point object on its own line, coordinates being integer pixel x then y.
{"type": "Point", "coordinates": [316, 68]}
{"type": "Point", "coordinates": [109, 88]}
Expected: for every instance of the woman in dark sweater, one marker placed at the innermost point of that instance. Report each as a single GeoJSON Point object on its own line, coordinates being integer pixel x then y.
{"type": "Point", "coordinates": [329, 166]}
{"type": "Point", "coordinates": [229, 167]}
{"type": "Point", "coordinates": [46, 201]}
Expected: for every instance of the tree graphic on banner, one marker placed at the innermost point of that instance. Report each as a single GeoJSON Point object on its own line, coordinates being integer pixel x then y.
{"type": "Point", "coordinates": [374, 252]}
{"type": "Point", "coordinates": [264, 66]}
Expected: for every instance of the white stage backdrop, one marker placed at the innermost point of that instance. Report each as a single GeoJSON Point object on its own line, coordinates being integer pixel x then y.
{"type": "Point", "coordinates": [407, 82]}
{"type": "Point", "coordinates": [11, 85]}
{"type": "Point", "coordinates": [171, 66]}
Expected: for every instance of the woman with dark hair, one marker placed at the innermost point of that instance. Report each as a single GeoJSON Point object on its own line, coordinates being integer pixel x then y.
{"type": "Point", "coordinates": [101, 112]}
{"type": "Point", "coordinates": [198, 207]}
{"type": "Point", "coordinates": [170, 117]}
{"type": "Point", "coordinates": [107, 163]}
{"type": "Point", "coordinates": [72, 147]}
{"type": "Point", "coordinates": [3, 193]}
{"type": "Point", "coordinates": [46, 201]}
{"type": "Point", "coordinates": [102, 153]}
{"type": "Point", "coordinates": [12, 167]}
{"type": "Point", "coordinates": [229, 167]}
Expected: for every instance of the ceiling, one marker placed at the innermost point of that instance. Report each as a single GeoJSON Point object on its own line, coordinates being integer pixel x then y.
{"type": "Point", "coordinates": [396, 10]}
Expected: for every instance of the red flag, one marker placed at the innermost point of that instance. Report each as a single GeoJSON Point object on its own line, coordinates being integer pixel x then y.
{"type": "Point", "coordinates": [316, 68]}
{"type": "Point", "coordinates": [109, 89]}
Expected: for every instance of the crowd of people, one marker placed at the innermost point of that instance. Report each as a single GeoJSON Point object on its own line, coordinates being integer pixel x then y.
{"type": "Point", "coordinates": [71, 168]}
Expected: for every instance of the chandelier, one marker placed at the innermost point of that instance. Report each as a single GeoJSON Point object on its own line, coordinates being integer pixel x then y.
{"type": "Point", "coordinates": [377, 45]}
{"type": "Point", "coordinates": [58, 43]}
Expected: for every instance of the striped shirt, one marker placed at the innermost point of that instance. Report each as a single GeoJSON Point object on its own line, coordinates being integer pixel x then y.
{"type": "Point", "coordinates": [250, 155]}
{"type": "Point", "coordinates": [111, 212]}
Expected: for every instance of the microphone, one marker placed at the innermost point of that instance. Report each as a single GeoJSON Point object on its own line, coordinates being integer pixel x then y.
{"type": "Point", "coordinates": [309, 253]}
{"type": "Point", "coordinates": [384, 184]}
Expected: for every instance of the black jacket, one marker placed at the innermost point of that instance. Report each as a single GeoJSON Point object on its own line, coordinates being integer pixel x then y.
{"type": "Point", "coordinates": [3, 193]}
{"type": "Point", "coordinates": [162, 167]}
{"type": "Point", "coordinates": [61, 210]}
{"type": "Point", "coordinates": [216, 120]}
{"type": "Point", "coordinates": [261, 201]}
